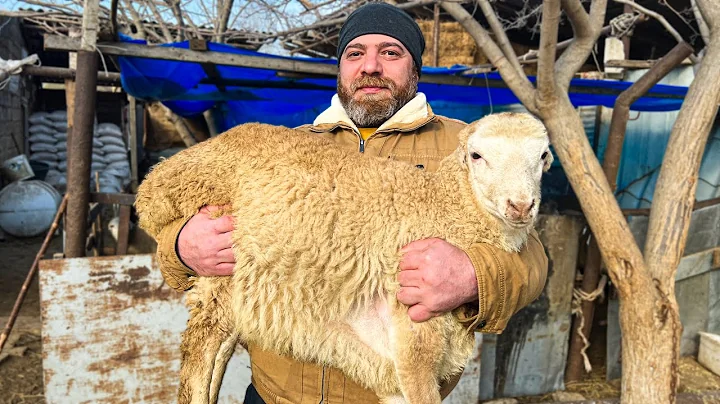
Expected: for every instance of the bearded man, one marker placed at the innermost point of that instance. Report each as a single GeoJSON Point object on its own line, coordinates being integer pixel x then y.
{"type": "Point", "coordinates": [377, 111]}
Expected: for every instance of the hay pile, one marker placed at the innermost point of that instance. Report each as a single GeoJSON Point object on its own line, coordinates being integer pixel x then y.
{"type": "Point", "coordinates": [456, 45]}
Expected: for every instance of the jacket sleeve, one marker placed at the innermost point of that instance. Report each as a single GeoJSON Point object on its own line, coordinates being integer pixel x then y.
{"type": "Point", "coordinates": [507, 282]}
{"type": "Point", "coordinates": [177, 275]}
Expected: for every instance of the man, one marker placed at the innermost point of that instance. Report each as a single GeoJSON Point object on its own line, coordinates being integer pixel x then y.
{"type": "Point", "coordinates": [377, 111]}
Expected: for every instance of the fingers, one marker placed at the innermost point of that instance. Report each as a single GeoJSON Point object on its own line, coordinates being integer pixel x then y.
{"type": "Point", "coordinates": [224, 269]}
{"type": "Point", "coordinates": [420, 313]}
{"type": "Point", "coordinates": [409, 296]}
{"type": "Point", "coordinates": [226, 256]}
{"type": "Point", "coordinates": [410, 279]}
{"type": "Point", "coordinates": [411, 260]}
{"type": "Point", "coordinates": [222, 241]}
{"type": "Point", "coordinates": [223, 224]}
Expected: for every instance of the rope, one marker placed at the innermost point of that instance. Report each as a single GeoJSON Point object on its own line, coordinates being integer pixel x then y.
{"type": "Point", "coordinates": [102, 58]}
{"type": "Point", "coordinates": [578, 297]}
{"type": "Point", "coordinates": [623, 24]}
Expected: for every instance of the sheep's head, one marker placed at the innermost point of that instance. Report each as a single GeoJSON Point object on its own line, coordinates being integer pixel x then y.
{"type": "Point", "coordinates": [506, 155]}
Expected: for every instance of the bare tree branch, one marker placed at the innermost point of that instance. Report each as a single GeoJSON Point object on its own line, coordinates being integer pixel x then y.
{"type": "Point", "coordinates": [136, 20]}
{"type": "Point", "coordinates": [546, 53]}
{"type": "Point", "coordinates": [500, 36]}
{"type": "Point", "coordinates": [194, 27]}
{"type": "Point", "coordinates": [587, 32]}
{"type": "Point", "coordinates": [660, 19]}
{"type": "Point", "coordinates": [509, 74]}
{"type": "Point", "coordinates": [158, 17]}
{"type": "Point", "coordinates": [680, 16]}
{"type": "Point", "coordinates": [675, 192]}
{"type": "Point", "coordinates": [174, 6]}
{"type": "Point", "coordinates": [223, 18]}
{"type": "Point", "coordinates": [700, 18]}
{"type": "Point", "coordinates": [710, 11]}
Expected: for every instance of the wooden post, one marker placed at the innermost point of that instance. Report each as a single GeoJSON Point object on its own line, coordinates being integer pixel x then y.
{"type": "Point", "coordinates": [133, 139]}
{"type": "Point", "coordinates": [436, 35]}
{"type": "Point", "coordinates": [80, 143]}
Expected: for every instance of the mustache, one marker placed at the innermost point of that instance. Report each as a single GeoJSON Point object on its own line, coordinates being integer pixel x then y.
{"type": "Point", "coordinates": [372, 81]}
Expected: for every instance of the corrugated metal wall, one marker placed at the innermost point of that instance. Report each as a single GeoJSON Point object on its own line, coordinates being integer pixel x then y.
{"type": "Point", "coordinates": [646, 138]}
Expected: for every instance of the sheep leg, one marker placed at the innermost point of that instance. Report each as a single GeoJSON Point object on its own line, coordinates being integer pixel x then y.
{"type": "Point", "coordinates": [418, 354]}
{"type": "Point", "coordinates": [207, 341]}
{"type": "Point", "coordinates": [227, 348]}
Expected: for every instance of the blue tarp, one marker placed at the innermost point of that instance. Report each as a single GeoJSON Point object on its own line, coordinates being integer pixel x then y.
{"type": "Point", "coordinates": [252, 95]}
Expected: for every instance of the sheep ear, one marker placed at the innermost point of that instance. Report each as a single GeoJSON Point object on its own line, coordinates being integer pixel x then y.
{"type": "Point", "coordinates": [548, 161]}
{"type": "Point", "coordinates": [461, 155]}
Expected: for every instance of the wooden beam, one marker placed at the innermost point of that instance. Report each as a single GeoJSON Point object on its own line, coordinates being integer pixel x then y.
{"type": "Point", "coordinates": [133, 140]}
{"type": "Point", "coordinates": [71, 84]}
{"type": "Point", "coordinates": [637, 64]}
{"type": "Point", "coordinates": [55, 42]}
{"type": "Point", "coordinates": [436, 35]}
{"type": "Point", "coordinates": [123, 230]}
{"type": "Point", "coordinates": [112, 198]}
{"type": "Point", "coordinates": [66, 73]}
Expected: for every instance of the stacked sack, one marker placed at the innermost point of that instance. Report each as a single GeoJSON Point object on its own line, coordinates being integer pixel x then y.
{"type": "Point", "coordinates": [48, 144]}
{"type": "Point", "coordinates": [110, 158]}
{"type": "Point", "coordinates": [48, 141]}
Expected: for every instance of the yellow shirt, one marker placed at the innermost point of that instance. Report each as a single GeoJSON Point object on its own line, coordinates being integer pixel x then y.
{"type": "Point", "coordinates": [366, 132]}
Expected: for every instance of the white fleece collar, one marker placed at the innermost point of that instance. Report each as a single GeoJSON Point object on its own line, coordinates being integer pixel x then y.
{"type": "Point", "coordinates": [414, 110]}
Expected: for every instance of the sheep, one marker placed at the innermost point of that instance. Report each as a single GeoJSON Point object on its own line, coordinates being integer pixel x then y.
{"type": "Point", "coordinates": [315, 273]}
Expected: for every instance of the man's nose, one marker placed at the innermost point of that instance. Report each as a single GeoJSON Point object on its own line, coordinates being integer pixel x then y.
{"type": "Point", "coordinates": [372, 65]}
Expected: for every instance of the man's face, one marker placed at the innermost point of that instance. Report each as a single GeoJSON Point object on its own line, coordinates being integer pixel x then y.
{"type": "Point", "coordinates": [377, 78]}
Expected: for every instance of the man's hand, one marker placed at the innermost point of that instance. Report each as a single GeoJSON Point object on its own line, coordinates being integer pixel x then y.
{"type": "Point", "coordinates": [205, 244]}
{"type": "Point", "coordinates": [435, 278]}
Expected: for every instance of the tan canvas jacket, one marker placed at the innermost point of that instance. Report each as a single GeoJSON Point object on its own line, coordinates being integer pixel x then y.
{"type": "Point", "coordinates": [506, 282]}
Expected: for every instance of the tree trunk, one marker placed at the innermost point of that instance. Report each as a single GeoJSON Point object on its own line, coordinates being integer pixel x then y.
{"type": "Point", "coordinates": [649, 320]}
{"type": "Point", "coordinates": [651, 333]}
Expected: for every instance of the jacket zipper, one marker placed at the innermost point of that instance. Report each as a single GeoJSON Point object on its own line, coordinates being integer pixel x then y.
{"type": "Point", "coordinates": [322, 386]}
{"type": "Point", "coordinates": [362, 142]}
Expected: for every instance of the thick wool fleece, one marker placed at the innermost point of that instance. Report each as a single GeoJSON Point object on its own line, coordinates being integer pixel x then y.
{"type": "Point", "coordinates": [309, 254]}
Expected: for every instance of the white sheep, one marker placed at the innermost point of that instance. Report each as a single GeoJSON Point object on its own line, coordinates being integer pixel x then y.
{"type": "Point", "coordinates": [315, 273]}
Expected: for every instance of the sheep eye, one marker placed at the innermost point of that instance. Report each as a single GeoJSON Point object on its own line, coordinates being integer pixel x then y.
{"type": "Point", "coordinates": [475, 156]}
{"type": "Point", "coordinates": [543, 156]}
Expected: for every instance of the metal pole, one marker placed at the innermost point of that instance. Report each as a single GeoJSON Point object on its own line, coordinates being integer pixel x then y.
{"type": "Point", "coordinates": [80, 142]}
{"type": "Point", "coordinates": [611, 162]}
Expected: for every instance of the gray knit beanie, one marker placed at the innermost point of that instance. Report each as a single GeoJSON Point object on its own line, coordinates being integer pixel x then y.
{"type": "Point", "coordinates": [385, 19]}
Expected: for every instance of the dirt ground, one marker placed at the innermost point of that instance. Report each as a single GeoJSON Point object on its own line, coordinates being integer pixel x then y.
{"type": "Point", "coordinates": [21, 378]}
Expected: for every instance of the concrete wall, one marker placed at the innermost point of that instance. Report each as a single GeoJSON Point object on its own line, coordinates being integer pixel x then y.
{"type": "Point", "coordinates": [15, 97]}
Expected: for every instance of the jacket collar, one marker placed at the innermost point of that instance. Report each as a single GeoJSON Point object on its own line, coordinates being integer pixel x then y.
{"type": "Point", "coordinates": [412, 115]}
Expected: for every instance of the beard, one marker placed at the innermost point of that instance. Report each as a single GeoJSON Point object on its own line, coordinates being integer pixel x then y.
{"type": "Point", "coordinates": [371, 110]}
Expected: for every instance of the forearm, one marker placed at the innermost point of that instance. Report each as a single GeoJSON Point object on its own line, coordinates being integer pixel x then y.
{"type": "Point", "coordinates": [506, 282]}
{"type": "Point", "coordinates": [177, 275]}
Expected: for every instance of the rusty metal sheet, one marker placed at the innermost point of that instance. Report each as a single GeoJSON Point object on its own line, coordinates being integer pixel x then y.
{"type": "Point", "coordinates": [529, 357]}
{"type": "Point", "coordinates": [111, 332]}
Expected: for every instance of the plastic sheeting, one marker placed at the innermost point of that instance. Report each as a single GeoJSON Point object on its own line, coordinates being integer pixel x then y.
{"type": "Point", "coordinates": [260, 95]}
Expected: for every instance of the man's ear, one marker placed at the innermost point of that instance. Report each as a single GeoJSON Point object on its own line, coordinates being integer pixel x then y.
{"type": "Point", "coordinates": [548, 160]}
